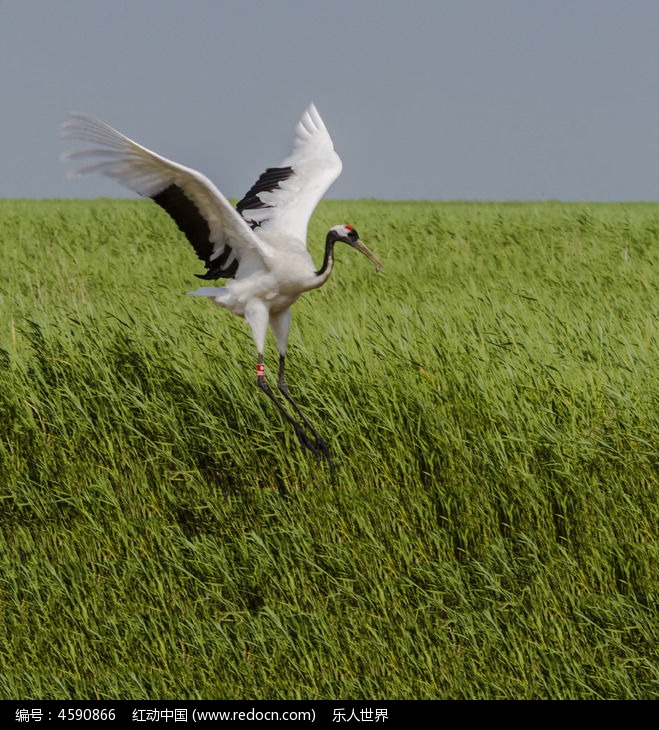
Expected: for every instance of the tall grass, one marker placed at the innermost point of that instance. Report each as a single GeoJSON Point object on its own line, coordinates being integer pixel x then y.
{"type": "Point", "coordinates": [491, 401]}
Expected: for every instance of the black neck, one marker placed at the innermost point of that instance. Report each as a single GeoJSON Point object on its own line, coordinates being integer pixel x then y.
{"type": "Point", "coordinates": [328, 261]}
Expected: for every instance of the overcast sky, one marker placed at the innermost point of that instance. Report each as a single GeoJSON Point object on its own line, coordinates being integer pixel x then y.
{"type": "Point", "coordinates": [432, 99]}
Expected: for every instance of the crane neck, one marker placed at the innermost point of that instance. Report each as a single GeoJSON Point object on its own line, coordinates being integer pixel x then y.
{"type": "Point", "coordinates": [328, 261]}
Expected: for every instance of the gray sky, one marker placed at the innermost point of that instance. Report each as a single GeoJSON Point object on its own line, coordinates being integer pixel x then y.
{"type": "Point", "coordinates": [432, 99]}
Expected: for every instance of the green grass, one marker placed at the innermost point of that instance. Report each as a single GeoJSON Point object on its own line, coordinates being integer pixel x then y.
{"type": "Point", "coordinates": [491, 401]}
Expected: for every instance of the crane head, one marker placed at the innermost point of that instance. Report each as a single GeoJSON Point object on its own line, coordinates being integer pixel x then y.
{"type": "Point", "coordinates": [349, 235]}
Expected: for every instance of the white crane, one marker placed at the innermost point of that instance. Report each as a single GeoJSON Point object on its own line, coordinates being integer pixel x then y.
{"type": "Point", "coordinates": [259, 246]}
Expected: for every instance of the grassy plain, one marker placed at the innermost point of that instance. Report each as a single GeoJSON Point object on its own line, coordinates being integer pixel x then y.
{"type": "Point", "coordinates": [491, 400]}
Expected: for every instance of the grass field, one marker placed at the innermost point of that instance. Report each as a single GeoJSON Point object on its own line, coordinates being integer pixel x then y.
{"type": "Point", "coordinates": [492, 404]}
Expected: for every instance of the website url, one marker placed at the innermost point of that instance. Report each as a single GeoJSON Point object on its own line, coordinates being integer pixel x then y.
{"type": "Point", "coordinates": [252, 715]}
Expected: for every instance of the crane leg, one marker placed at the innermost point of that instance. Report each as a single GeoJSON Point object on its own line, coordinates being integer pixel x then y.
{"type": "Point", "coordinates": [319, 445]}
{"type": "Point", "coordinates": [313, 442]}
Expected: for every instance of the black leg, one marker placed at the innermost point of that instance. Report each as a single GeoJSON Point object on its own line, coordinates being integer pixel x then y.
{"type": "Point", "coordinates": [320, 447]}
{"type": "Point", "coordinates": [314, 443]}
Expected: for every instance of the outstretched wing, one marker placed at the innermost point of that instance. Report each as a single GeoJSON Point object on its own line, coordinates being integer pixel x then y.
{"type": "Point", "coordinates": [216, 231]}
{"type": "Point", "coordinates": [283, 198]}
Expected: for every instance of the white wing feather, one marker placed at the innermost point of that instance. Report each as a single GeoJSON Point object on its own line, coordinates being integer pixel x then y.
{"type": "Point", "coordinates": [148, 173]}
{"type": "Point", "coordinates": [315, 166]}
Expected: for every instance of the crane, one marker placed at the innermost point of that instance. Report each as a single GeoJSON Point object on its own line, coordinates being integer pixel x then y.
{"type": "Point", "coordinates": [259, 246]}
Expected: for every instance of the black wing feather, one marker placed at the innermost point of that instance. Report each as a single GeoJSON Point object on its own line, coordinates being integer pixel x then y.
{"type": "Point", "coordinates": [267, 182]}
{"type": "Point", "coordinates": [192, 223]}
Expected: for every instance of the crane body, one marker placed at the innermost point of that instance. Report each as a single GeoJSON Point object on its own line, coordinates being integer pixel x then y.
{"type": "Point", "coordinates": [259, 246]}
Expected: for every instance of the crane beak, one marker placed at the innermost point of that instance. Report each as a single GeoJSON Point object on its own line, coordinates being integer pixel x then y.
{"type": "Point", "coordinates": [361, 246]}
